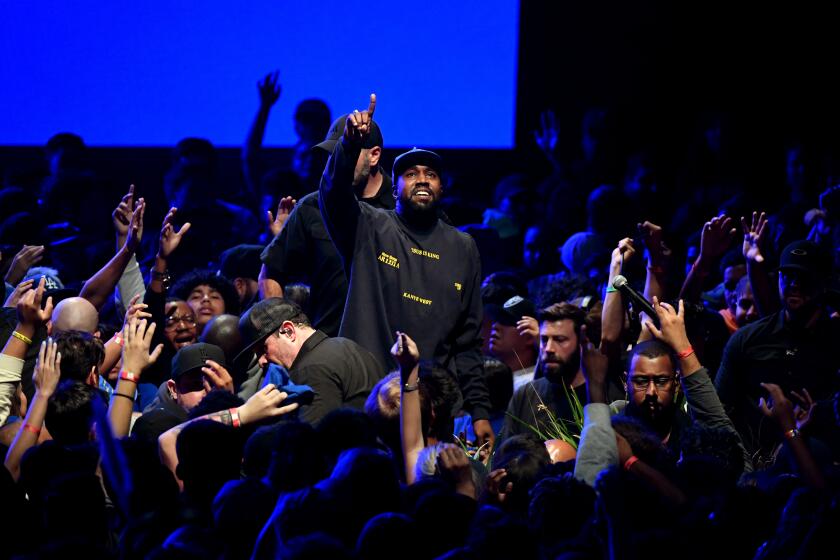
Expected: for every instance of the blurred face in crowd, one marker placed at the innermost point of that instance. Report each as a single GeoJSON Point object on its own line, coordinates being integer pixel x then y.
{"type": "Point", "coordinates": [745, 310]}
{"type": "Point", "coordinates": [651, 388]}
{"type": "Point", "coordinates": [206, 303]}
{"type": "Point", "coordinates": [188, 390]}
{"type": "Point", "coordinates": [559, 350]}
{"type": "Point", "coordinates": [180, 329]}
{"type": "Point", "coordinates": [798, 291]}
{"type": "Point", "coordinates": [731, 276]}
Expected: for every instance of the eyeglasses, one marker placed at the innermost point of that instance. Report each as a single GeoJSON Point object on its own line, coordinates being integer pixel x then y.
{"type": "Point", "coordinates": [173, 320]}
{"type": "Point", "coordinates": [642, 382]}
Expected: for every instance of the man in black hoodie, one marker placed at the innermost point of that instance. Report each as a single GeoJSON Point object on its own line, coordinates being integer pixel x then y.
{"type": "Point", "coordinates": [407, 269]}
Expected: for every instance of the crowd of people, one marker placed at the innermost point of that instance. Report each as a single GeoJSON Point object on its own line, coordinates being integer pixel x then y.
{"type": "Point", "coordinates": [343, 354]}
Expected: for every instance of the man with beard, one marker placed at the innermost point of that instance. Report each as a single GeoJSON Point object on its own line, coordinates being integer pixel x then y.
{"type": "Point", "coordinates": [794, 348]}
{"type": "Point", "coordinates": [535, 406]}
{"type": "Point", "coordinates": [408, 270]}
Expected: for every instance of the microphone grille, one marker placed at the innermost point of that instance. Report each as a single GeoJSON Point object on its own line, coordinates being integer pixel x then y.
{"type": "Point", "coordinates": [619, 281]}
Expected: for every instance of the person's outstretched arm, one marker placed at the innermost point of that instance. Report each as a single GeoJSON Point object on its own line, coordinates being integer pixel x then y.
{"type": "Point", "coordinates": [337, 201]}
{"type": "Point", "coordinates": [766, 299]}
{"type": "Point", "coordinates": [715, 238]}
{"type": "Point", "coordinates": [269, 91]}
{"type": "Point", "coordinates": [411, 427]}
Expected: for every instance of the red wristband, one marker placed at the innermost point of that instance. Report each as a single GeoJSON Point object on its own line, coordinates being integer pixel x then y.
{"type": "Point", "coordinates": [234, 417]}
{"type": "Point", "coordinates": [685, 353]}
{"type": "Point", "coordinates": [129, 376]}
{"type": "Point", "coordinates": [32, 429]}
{"type": "Point", "coordinates": [630, 462]}
{"type": "Point", "coordinates": [119, 340]}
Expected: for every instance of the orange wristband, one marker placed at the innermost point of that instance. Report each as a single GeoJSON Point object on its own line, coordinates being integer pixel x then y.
{"type": "Point", "coordinates": [685, 353]}
{"type": "Point", "coordinates": [630, 462]}
{"type": "Point", "coordinates": [129, 376]}
{"type": "Point", "coordinates": [32, 429]}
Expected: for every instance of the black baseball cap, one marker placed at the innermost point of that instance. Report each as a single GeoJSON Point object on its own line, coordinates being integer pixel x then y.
{"type": "Point", "coordinates": [264, 318]}
{"type": "Point", "coordinates": [806, 256]}
{"type": "Point", "coordinates": [416, 156]}
{"type": "Point", "coordinates": [337, 131]}
{"type": "Point", "coordinates": [511, 311]}
{"type": "Point", "coordinates": [241, 261]}
{"type": "Point", "coordinates": [194, 357]}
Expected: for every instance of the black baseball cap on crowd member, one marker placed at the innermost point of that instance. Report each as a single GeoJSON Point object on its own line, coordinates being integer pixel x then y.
{"type": "Point", "coordinates": [241, 261]}
{"type": "Point", "coordinates": [416, 156]}
{"type": "Point", "coordinates": [511, 311]}
{"type": "Point", "coordinates": [808, 257]}
{"type": "Point", "coordinates": [337, 131]}
{"type": "Point", "coordinates": [194, 357]}
{"type": "Point", "coordinates": [264, 318]}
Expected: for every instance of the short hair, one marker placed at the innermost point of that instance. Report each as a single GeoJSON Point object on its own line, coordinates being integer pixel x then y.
{"type": "Point", "coordinates": [383, 403]}
{"type": "Point", "coordinates": [69, 414]}
{"type": "Point", "coordinates": [440, 400]}
{"type": "Point", "coordinates": [315, 113]}
{"type": "Point", "coordinates": [561, 312]}
{"type": "Point", "coordinates": [80, 352]}
{"type": "Point", "coordinates": [651, 349]}
{"type": "Point", "coordinates": [189, 281]}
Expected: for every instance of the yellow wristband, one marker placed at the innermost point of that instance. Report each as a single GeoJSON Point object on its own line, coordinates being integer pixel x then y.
{"type": "Point", "coordinates": [22, 337]}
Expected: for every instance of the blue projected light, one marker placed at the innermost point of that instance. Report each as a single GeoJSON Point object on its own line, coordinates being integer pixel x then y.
{"type": "Point", "coordinates": [150, 73]}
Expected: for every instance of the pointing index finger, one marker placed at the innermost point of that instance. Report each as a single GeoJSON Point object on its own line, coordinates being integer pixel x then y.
{"type": "Point", "coordinates": [372, 106]}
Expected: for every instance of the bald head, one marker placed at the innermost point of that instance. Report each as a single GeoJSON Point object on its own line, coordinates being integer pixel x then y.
{"type": "Point", "coordinates": [223, 331]}
{"type": "Point", "coordinates": [75, 314]}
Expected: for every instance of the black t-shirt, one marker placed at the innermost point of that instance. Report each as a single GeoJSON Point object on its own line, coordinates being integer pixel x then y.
{"type": "Point", "coordinates": [341, 373]}
{"type": "Point", "coordinates": [425, 283]}
{"type": "Point", "coordinates": [304, 252]}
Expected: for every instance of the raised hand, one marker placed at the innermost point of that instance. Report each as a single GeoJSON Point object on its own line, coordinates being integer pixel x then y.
{"type": "Point", "coordinates": [547, 134]}
{"type": "Point", "coordinates": [593, 363]}
{"type": "Point", "coordinates": [217, 377]}
{"type": "Point", "coordinates": [135, 226]}
{"type": "Point", "coordinates": [803, 411]}
{"type": "Point", "coordinates": [672, 323]}
{"type": "Point", "coordinates": [754, 233]}
{"type": "Point", "coordinates": [623, 252]}
{"type": "Point", "coordinates": [269, 89]}
{"type": "Point", "coordinates": [18, 292]}
{"type": "Point", "coordinates": [121, 216]}
{"type": "Point", "coordinates": [652, 236]}
{"type": "Point", "coordinates": [137, 337]}
{"type": "Point", "coordinates": [498, 486]}
{"type": "Point", "coordinates": [47, 368]}
{"type": "Point", "coordinates": [169, 238]}
{"type": "Point", "coordinates": [26, 258]}
{"type": "Point", "coordinates": [454, 465]}
{"type": "Point", "coordinates": [358, 125]}
{"type": "Point", "coordinates": [136, 311]}
{"type": "Point", "coordinates": [716, 237]}
{"type": "Point", "coordinates": [778, 407]}
{"type": "Point", "coordinates": [265, 403]}
{"type": "Point", "coordinates": [528, 326]}
{"type": "Point", "coordinates": [284, 208]}
{"type": "Point", "coordinates": [406, 353]}
{"type": "Point", "coordinates": [29, 310]}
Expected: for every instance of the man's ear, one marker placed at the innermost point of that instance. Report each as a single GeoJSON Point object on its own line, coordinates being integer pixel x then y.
{"type": "Point", "coordinates": [172, 388]}
{"type": "Point", "coordinates": [241, 286]}
{"type": "Point", "coordinates": [373, 155]}
{"type": "Point", "coordinates": [289, 329]}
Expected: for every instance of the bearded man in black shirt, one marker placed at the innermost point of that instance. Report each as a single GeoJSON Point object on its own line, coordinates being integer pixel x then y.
{"type": "Point", "coordinates": [408, 270]}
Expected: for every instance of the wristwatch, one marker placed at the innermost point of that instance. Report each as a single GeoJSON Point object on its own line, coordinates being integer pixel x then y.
{"type": "Point", "coordinates": [164, 277]}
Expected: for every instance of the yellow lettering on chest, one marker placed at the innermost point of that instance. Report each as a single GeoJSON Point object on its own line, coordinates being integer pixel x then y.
{"type": "Point", "coordinates": [390, 260]}
{"type": "Point", "coordinates": [425, 253]}
{"type": "Point", "coordinates": [417, 299]}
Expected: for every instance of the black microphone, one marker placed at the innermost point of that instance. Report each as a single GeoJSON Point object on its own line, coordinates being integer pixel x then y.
{"type": "Point", "coordinates": [620, 283]}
